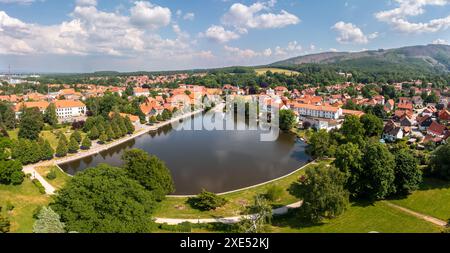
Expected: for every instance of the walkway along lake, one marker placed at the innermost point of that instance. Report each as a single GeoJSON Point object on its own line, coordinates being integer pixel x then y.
{"type": "Point", "coordinates": [217, 161]}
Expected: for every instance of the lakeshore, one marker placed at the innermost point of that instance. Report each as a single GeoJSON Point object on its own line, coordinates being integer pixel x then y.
{"type": "Point", "coordinates": [97, 148]}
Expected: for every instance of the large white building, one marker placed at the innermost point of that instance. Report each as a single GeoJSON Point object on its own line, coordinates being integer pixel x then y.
{"type": "Point", "coordinates": [317, 111]}
{"type": "Point", "coordinates": [67, 109]}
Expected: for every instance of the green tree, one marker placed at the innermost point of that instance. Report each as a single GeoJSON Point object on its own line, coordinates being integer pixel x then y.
{"type": "Point", "coordinates": [408, 176]}
{"type": "Point", "coordinates": [31, 124]}
{"type": "Point", "coordinates": [73, 146]}
{"type": "Point", "coordinates": [376, 181]}
{"type": "Point", "coordinates": [159, 118]}
{"type": "Point", "coordinates": [440, 162]}
{"type": "Point", "coordinates": [86, 143]}
{"type": "Point", "coordinates": [109, 134]}
{"type": "Point", "coordinates": [11, 172]}
{"type": "Point", "coordinates": [287, 120]}
{"type": "Point", "coordinates": [349, 160]}
{"type": "Point", "coordinates": [62, 149]}
{"type": "Point", "coordinates": [153, 120]}
{"type": "Point", "coordinates": [206, 201]}
{"type": "Point", "coordinates": [129, 125]}
{"type": "Point", "coordinates": [104, 138]}
{"type": "Point", "coordinates": [323, 192]}
{"type": "Point", "coordinates": [9, 118]}
{"type": "Point", "coordinates": [94, 134]}
{"type": "Point", "coordinates": [77, 136]}
{"type": "Point", "coordinates": [149, 171]}
{"type": "Point", "coordinates": [50, 116]}
{"type": "Point", "coordinates": [48, 221]}
{"type": "Point", "coordinates": [261, 215]}
{"type": "Point", "coordinates": [320, 144]}
{"type": "Point", "coordinates": [105, 200]}
{"type": "Point", "coordinates": [353, 129]}
{"type": "Point", "coordinates": [372, 125]}
{"type": "Point", "coordinates": [47, 151]}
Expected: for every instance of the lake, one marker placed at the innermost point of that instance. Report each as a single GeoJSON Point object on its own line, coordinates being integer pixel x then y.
{"type": "Point", "coordinates": [217, 161]}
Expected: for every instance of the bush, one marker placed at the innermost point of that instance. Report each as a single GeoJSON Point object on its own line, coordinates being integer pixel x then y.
{"type": "Point", "coordinates": [206, 201]}
{"type": "Point", "coordinates": [5, 224]}
{"type": "Point", "coordinates": [273, 193]}
{"type": "Point", "coordinates": [39, 186]}
{"type": "Point", "coordinates": [51, 175]}
{"type": "Point", "coordinates": [9, 206]}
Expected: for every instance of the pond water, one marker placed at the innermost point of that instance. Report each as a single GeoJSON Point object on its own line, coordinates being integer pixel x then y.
{"type": "Point", "coordinates": [217, 161]}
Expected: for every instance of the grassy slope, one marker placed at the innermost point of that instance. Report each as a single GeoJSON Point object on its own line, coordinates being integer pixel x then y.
{"type": "Point", "coordinates": [168, 208]}
{"type": "Point", "coordinates": [359, 219]}
{"type": "Point", "coordinates": [433, 198]}
{"type": "Point", "coordinates": [26, 198]}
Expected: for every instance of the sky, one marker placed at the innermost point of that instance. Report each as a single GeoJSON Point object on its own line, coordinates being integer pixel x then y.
{"type": "Point", "coordinates": [125, 35]}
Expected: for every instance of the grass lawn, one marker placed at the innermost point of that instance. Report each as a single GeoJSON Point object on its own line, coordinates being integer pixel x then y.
{"type": "Point", "coordinates": [25, 198]}
{"type": "Point", "coordinates": [433, 198]}
{"type": "Point", "coordinates": [263, 71]}
{"type": "Point", "coordinates": [359, 219]}
{"type": "Point", "coordinates": [49, 135]}
{"type": "Point", "coordinates": [178, 208]}
{"type": "Point", "coordinates": [61, 177]}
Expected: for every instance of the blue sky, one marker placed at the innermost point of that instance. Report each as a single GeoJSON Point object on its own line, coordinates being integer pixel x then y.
{"type": "Point", "coordinates": [125, 35]}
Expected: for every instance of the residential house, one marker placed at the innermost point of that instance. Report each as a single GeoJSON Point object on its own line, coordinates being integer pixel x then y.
{"type": "Point", "coordinates": [437, 130]}
{"type": "Point", "coordinates": [392, 132]}
{"type": "Point", "coordinates": [424, 122]}
{"type": "Point", "coordinates": [327, 112]}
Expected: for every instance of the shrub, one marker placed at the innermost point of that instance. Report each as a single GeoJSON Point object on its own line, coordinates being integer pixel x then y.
{"type": "Point", "coordinates": [51, 175]}
{"type": "Point", "coordinates": [9, 206]}
{"type": "Point", "coordinates": [5, 224]}
{"type": "Point", "coordinates": [273, 193]}
{"type": "Point", "coordinates": [39, 186]}
{"type": "Point", "coordinates": [206, 201]}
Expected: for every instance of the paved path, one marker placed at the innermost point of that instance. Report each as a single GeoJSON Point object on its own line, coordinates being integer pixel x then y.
{"type": "Point", "coordinates": [96, 148]}
{"type": "Point", "coordinates": [424, 217]}
{"type": "Point", "coordinates": [227, 220]}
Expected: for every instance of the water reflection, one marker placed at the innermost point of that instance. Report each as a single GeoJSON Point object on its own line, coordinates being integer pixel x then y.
{"type": "Point", "coordinates": [215, 160]}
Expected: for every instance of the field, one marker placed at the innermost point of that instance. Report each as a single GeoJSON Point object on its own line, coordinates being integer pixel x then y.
{"type": "Point", "coordinates": [178, 208]}
{"type": "Point", "coordinates": [263, 71]}
{"type": "Point", "coordinates": [433, 198]}
{"type": "Point", "coordinates": [25, 198]}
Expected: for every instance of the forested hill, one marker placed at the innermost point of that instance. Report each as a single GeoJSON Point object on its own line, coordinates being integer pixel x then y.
{"type": "Point", "coordinates": [429, 58]}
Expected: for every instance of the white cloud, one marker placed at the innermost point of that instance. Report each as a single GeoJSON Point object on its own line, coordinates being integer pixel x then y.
{"type": "Point", "coordinates": [440, 42]}
{"type": "Point", "coordinates": [219, 34]}
{"type": "Point", "coordinates": [242, 16]}
{"type": "Point", "coordinates": [94, 32]}
{"type": "Point", "coordinates": [398, 17]}
{"type": "Point", "coordinates": [189, 16]}
{"type": "Point", "coordinates": [145, 14]}
{"type": "Point", "coordinates": [241, 53]}
{"type": "Point", "coordinates": [349, 33]}
{"type": "Point", "coordinates": [25, 2]}
{"type": "Point", "coordinates": [86, 3]}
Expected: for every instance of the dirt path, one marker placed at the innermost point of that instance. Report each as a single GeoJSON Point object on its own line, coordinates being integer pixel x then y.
{"type": "Point", "coordinates": [424, 217]}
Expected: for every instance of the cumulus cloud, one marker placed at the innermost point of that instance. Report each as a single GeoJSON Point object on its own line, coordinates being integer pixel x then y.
{"type": "Point", "coordinates": [94, 32]}
{"type": "Point", "coordinates": [147, 15]}
{"type": "Point", "coordinates": [398, 17]}
{"type": "Point", "coordinates": [242, 16]}
{"type": "Point", "coordinates": [86, 3]}
{"type": "Point", "coordinates": [349, 33]}
{"type": "Point", "coordinates": [219, 34]}
{"type": "Point", "coordinates": [293, 48]}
